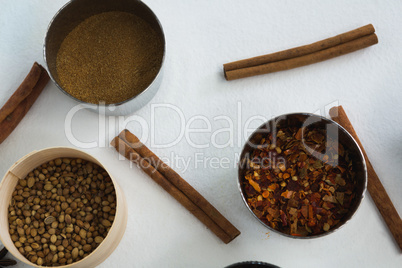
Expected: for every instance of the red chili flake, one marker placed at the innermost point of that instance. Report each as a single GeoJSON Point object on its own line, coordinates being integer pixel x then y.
{"type": "Point", "coordinates": [295, 191]}
{"type": "Point", "coordinates": [287, 194]}
{"type": "Point", "coordinates": [284, 218]}
{"type": "Point", "coordinates": [304, 212]}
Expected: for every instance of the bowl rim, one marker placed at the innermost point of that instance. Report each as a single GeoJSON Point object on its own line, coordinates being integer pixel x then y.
{"type": "Point", "coordinates": [104, 105]}
{"type": "Point", "coordinates": [360, 153]}
{"type": "Point", "coordinates": [260, 264]}
{"type": "Point", "coordinates": [94, 160]}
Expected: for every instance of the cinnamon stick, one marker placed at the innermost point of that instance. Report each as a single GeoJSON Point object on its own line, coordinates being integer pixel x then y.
{"type": "Point", "coordinates": [374, 185]}
{"type": "Point", "coordinates": [15, 108]}
{"type": "Point", "coordinates": [22, 91]}
{"type": "Point", "coordinates": [302, 50]}
{"type": "Point", "coordinates": [179, 182]}
{"type": "Point", "coordinates": [302, 56]}
{"type": "Point", "coordinates": [123, 148]}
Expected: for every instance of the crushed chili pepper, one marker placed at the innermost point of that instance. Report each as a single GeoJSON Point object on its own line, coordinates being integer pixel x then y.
{"type": "Point", "coordinates": [299, 181]}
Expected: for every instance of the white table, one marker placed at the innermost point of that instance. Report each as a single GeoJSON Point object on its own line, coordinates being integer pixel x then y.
{"type": "Point", "coordinates": [201, 36]}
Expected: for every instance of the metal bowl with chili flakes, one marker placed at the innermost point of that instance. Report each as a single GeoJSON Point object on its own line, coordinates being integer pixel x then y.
{"type": "Point", "coordinates": [302, 175]}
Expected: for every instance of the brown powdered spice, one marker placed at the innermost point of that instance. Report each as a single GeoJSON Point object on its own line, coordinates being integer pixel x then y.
{"type": "Point", "coordinates": [109, 57]}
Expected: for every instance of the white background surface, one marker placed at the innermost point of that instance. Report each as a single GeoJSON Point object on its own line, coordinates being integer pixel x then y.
{"type": "Point", "coordinates": [201, 36]}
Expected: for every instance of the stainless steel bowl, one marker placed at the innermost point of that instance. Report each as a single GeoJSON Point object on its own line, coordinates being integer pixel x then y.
{"type": "Point", "coordinates": [75, 12]}
{"type": "Point", "coordinates": [333, 130]}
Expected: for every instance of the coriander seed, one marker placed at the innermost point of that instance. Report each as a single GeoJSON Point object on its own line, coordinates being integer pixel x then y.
{"type": "Point", "coordinates": [53, 227]}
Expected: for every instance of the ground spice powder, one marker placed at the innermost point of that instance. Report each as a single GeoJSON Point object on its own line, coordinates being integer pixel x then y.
{"type": "Point", "coordinates": [109, 57]}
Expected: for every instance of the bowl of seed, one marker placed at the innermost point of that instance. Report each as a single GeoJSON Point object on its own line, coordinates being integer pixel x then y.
{"type": "Point", "coordinates": [106, 54]}
{"type": "Point", "coordinates": [302, 175]}
{"type": "Point", "coordinates": [60, 207]}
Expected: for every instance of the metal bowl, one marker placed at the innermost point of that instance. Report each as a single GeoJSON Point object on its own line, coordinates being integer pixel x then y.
{"type": "Point", "coordinates": [333, 130]}
{"type": "Point", "coordinates": [75, 12]}
{"type": "Point", "coordinates": [252, 264]}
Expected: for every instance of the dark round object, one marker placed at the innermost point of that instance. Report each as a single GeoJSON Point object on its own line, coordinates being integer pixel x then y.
{"type": "Point", "coordinates": [252, 264]}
